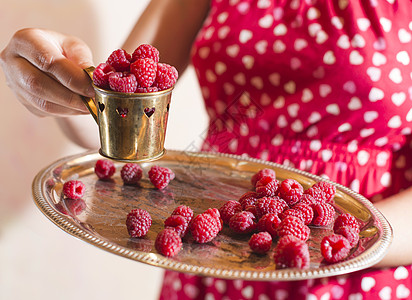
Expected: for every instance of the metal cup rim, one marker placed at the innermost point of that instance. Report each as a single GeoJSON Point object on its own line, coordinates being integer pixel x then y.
{"type": "Point", "coordinates": [131, 95]}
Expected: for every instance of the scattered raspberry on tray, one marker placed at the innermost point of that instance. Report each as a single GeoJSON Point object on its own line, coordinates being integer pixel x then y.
{"type": "Point", "coordinates": [214, 212]}
{"type": "Point", "coordinates": [346, 219]}
{"type": "Point", "coordinates": [204, 228]}
{"type": "Point", "coordinates": [242, 222]}
{"type": "Point", "coordinates": [349, 233]}
{"type": "Point", "coordinates": [291, 191]}
{"type": "Point", "coordinates": [229, 209]}
{"type": "Point", "coordinates": [260, 242]}
{"type": "Point", "coordinates": [131, 173]}
{"type": "Point", "coordinates": [267, 186]}
{"type": "Point", "coordinates": [74, 189]}
{"type": "Point", "coordinates": [138, 222]}
{"type": "Point", "coordinates": [261, 173]}
{"type": "Point", "coordinates": [168, 242]}
{"type": "Point", "coordinates": [269, 223]}
{"type": "Point", "coordinates": [267, 205]}
{"type": "Point", "coordinates": [160, 176]}
{"type": "Point", "coordinates": [306, 211]}
{"type": "Point", "coordinates": [334, 248]}
{"type": "Point", "coordinates": [323, 214]}
{"type": "Point", "coordinates": [318, 195]}
{"type": "Point", "coordinates": [294, 226]}
{"type": "Point", "coordinates": [248, 198]}
{"type": "Point", "coordinates": [292, 212]}
{"type": "Point", "coordinates": [328, 188]}
{"type": "Point", "coordinates": [104, 169]}
{"type": "Point", "coordinates": [178, 223]}
{"type": "Point", "coordinates": [291, 252]}
{"type": "Point", "coordinates": [185, 211]}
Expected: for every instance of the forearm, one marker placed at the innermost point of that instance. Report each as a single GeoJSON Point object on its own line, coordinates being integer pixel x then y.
{"type": "Point", "coordinates": [171, 26]}
{"type": "Point", "coordinates": [397, 210]}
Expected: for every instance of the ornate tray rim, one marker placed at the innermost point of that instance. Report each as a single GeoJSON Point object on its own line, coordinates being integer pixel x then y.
{"type": "Point", "coordinates": [367, 259]}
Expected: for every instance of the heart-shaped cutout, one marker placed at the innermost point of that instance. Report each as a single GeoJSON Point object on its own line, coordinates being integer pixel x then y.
{"type": "Point", "coordinates": [122, 111]}
{"type": "Point", "coordinates": [149, 111]}
{"type": "Point", "coordinates": [101, 107]}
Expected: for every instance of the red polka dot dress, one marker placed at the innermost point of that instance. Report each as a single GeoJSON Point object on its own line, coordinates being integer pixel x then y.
{"type": "Point", "coordinates": [320, 85]}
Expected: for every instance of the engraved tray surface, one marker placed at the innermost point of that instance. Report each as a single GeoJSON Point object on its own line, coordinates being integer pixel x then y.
{"type": "Point", "coordinates": [203, 180]}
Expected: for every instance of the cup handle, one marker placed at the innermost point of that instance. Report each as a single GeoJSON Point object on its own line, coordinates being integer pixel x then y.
{"type": "Point", "coordinates": [89, 102]}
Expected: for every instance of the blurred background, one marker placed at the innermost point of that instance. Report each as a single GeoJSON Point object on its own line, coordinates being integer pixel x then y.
{"type": "Point", "coordinates": [37, 259]}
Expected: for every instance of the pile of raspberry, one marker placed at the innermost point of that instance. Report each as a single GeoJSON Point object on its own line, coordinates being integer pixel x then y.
{"type": "Point", "coordinates": [139, 72]}
{"type": "Point", "coordinates": [286, 212]}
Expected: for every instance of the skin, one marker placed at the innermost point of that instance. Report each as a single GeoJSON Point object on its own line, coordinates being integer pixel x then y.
{"type": "Point", "coordinates": [44, 69]}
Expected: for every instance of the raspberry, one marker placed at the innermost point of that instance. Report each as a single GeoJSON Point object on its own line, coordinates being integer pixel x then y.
{"type": "Point", "coordinates": [214, 212]}
{"type": "Point", "coordinates": [168, 242]}
{"type": "Point", "coordinates": [146, 51]}
{"type": "Point", "coordinates": [323, 214]}
{"type": "Point", "coordinates": [307, 199]}
{"type": "Point", "coordinates": [151, 89]}
{"type": "Point", "coordinates": [242, 222]}
{"type": "Point", "coordinates": [328, 188]}
{"type": "Point", "coordinates": [291, 191]}
{"type": "Point", "coordinates": [160, 176]}
{"type": "Point", "coordinates": [269, 223]}
{"type": "Point", "coordinates": [184, 211]}
{"type": "Point", "coordinates": [74, 189]}
{"type": "Point", "coordinates": [178, 223]}
{"type": "Point", "coordinates": [291, 252]}
{"type": "Point", "coordinates": [104, 169]}
{"type": "Point", "coordinates": [294, 226]}
{"type": "Point", "coordinates": [267, 186]}
{"type": "Point", "coordinates": [131, 173]}
{"type": "Point", "coordinates": [260, 242]}
{"type": "Point", "coordinates": [292, 212]}
{"type": "Point", "coordinates": [101, 75]}
{"type": "Point", "coordinates": [166, 76]}
{"type": "Point", "coordinates": [138, 222]}
{"type": "Point", "coordinates": [334, 248]}
{"type": "Point", "coordinates": [252, 209]}
{"type": "Point", "coordinates": [145, 71]}
{"type": "Point", "coordinates": [346, 219]}
{"type": "Point", "coordinates": [306, 211]}
{"type": "Point", "coordinates": [229, 209]}
{"type": "Point", "coordinates": [268, 205]}
{"type": "Point", "coordinates": [317, 194]}
{"type": "Point", "coordinates": [349, 233]}
{"type": "Point", "coordinates": [204, 228]}
{"type": "Point", "coordinates": [248, 198]}
{"type": "Point", "coordinates": [123, 82]}
{"type": "Point", "coordinates": [264, 172]}
{"type": "Point", "coordinates": [120, 60]}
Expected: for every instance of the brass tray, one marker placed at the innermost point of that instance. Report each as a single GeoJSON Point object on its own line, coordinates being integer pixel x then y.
{"type": "Point", "coordinates": [203, 180]}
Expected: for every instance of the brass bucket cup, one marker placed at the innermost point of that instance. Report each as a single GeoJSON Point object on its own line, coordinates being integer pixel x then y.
{"type": "Point", "coordinates": [132, 126]}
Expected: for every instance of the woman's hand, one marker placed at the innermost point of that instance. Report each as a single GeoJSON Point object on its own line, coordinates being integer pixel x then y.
{"type": "Point", "coordinates": [45, 71]}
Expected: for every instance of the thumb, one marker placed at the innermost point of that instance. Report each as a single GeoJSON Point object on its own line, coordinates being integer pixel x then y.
{"type": "Point", "coordinates": [80, 54]}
